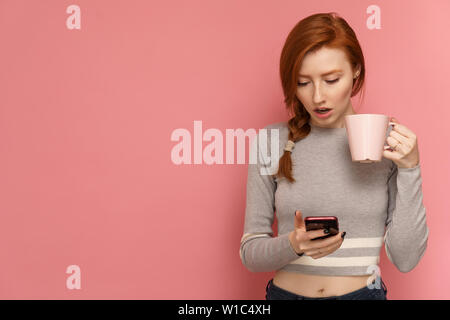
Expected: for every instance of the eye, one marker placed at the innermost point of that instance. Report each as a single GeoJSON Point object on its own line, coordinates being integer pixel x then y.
{"type": "Point", "coordinates": [332, 81]}
{"type": "Point", "coordinates": [302, 84]}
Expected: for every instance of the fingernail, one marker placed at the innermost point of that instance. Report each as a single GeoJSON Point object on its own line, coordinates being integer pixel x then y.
{"type": "Point", "coordinates": [326, 231]}
{"type": "Point", "coordinates": [343, 234]}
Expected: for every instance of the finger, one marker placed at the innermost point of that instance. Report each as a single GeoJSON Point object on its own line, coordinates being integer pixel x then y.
{"type": "Point", "coordinates": [333, 247]}
{"type": "Point", "coordinates": [400, 128]}
{"type": "Point", "coordinates": [315, 234]}
{"type": "Point", "coordinates": [298, 220]}
{"type": "Point", "coordinates": [321, 243]}
{"type": "Point", "coordinates": [321, 252]}
{"type": "Point", "coordinates": [320, 226]}
{"type": "Point", "coordinates": [325, 252]}
{"type": "Point", "coordinates": [333, 231]}
{"type": "Point", "coordinates": [392, 154]}
{"type": "Point", "coordinates": [394, 120]}
{"type": "Point", "coordinates": [318, 253]}
{"type": "Point", "coordinates": [401, 138]}
{"type": "Point", "coordinates": [392, 142]}
{"type": "Point", "coordinates": [395, 146]}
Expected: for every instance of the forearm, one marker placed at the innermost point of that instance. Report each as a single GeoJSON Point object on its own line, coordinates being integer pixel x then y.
{"type": "Point", "coordinates": [268, 253]}
{"type": "Point", "coordinates": [407, 234]}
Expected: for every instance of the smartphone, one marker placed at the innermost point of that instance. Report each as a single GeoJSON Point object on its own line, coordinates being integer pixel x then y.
{"type": "Point", "coordinates": [322, 222]}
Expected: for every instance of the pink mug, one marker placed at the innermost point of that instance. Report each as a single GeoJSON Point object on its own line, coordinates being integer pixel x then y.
{"type": "Point", "coordinates": [367, 136]}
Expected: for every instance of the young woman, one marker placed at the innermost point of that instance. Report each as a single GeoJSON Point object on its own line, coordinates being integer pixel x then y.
{"type": "Point", "coordinates": [322, 66]}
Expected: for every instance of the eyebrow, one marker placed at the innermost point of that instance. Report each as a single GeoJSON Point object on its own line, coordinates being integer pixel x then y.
{"type": "Point", "coordinates": [323, 74]}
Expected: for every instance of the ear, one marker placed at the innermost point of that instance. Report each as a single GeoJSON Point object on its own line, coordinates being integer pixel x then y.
{"type": "Point", "coordinates": [357, 71]}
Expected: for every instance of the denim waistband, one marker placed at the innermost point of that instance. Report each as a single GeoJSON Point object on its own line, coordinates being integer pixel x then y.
{"type": "Point", "coordinates": [345, 296]}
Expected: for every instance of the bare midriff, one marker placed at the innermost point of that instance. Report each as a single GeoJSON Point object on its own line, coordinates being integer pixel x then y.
{"type": "Point", "coordinates": [320, 286]}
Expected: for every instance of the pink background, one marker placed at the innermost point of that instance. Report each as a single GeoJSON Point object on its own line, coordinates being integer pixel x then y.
{"type": "Point", "coordinates": [86, 176]}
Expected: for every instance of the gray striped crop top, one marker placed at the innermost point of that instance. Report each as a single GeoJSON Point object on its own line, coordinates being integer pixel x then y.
{"type": "Point", "coordinates": [376, 203]}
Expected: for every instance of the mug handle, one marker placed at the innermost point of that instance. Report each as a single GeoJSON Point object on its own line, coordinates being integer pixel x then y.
{"type": "Point", "coordinates": [388, 146]}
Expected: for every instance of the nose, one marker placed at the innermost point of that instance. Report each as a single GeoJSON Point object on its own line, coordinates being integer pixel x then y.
{"type": "Point", "coordinates": [317, 96]}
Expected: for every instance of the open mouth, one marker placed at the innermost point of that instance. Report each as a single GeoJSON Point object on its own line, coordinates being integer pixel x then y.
{"type": "Point", "coordinates": [322, 110]}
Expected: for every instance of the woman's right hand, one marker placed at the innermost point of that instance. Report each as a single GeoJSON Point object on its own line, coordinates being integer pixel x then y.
{"type": "Point", "coordinates": [301, 240]}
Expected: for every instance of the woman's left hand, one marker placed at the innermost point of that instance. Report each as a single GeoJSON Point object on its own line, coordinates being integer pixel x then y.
{"type": "Point", "coordinates": [405, 151]}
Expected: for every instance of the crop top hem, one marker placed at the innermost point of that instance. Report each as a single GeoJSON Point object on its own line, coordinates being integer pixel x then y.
{"type": "Point", "coordinates": [333, 271]}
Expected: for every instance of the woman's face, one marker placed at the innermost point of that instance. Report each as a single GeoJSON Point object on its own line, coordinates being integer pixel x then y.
{"type": "Point", "coordinates": [316, 88]}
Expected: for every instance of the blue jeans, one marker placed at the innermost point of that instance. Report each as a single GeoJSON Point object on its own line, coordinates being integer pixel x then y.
{"type": "Point", "coordinates": [276, 293]}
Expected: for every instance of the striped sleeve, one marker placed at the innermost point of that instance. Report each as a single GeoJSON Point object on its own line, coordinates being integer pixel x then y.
{"type": "Point", "coordinates": [259, 251]}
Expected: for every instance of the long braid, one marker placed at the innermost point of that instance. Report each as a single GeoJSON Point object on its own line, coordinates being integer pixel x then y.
{"type": "Point", "coordinates": [299, 128]}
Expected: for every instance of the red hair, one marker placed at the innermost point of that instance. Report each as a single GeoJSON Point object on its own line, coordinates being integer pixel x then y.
{"type": "Point", "coordinates": [309, 35]}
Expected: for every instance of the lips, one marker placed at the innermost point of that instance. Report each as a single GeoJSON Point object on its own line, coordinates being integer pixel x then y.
{"type": "Point", "coordinates": [321, 108]}
{"type": "Point", "coordinates": [323, 114]}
